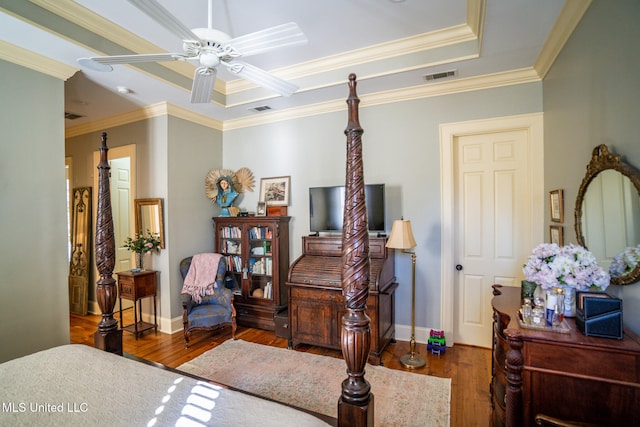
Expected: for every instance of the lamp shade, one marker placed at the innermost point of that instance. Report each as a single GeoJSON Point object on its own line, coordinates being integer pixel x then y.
{"type": "Point", "coordinates": [401, 235]}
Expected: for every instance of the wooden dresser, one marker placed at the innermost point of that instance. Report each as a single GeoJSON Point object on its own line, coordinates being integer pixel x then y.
{"type": "Point", "coordinates": [567, 376]}
{"type": "Point", "coordinates": [316, 305]}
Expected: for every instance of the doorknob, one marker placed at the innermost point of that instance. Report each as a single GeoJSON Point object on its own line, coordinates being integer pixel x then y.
{"type": "Point", "coordinates": [459, 267]}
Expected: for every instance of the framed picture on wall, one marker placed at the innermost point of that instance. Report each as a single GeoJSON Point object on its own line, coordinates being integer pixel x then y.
{"type": "Point", "coordinates": [555, 235]}
{"type": "Point", "coordinates": [556, 204]}
{"type": "Point", "coordinates": [275, 191]}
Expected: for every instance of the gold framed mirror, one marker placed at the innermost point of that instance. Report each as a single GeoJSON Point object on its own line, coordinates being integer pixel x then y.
{"type": "Point", "coordinates": [607, 215]}
{"type": "Point", "coordinates": [149, 217]}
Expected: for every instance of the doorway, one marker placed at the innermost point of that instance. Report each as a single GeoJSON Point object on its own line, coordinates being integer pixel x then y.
{"type": "Point", "coordinates": [492, 215]}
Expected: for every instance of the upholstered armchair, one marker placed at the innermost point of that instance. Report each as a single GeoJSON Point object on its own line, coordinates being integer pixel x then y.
{"type": "Point", "coordinates": [214, 310]}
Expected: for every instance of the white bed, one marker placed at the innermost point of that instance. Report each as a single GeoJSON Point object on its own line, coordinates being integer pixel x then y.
{"type": "Point", "coordinates": [80, 385]}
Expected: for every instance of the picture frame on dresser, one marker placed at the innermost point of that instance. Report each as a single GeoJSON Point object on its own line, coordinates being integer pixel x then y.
{"type": "Point", "coordinates": [261, 210]}
{"type": "Point", "coordinates": [275, 191]}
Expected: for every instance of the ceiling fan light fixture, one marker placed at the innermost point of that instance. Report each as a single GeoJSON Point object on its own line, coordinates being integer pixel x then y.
{"type": "Point", "coordinates": [209, 60]}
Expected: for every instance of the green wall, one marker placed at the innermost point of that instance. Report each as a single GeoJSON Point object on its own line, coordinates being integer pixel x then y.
{"type": "Point", "coordinates": [34, 303]}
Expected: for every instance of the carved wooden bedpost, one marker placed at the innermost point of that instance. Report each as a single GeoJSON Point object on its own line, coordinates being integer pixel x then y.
{"type": "Point", "coordinates": [108, 337]}
{"type": "Point", "coordinates": [513, 394]}
{"type": "Point", "coordinates": [355, 406]}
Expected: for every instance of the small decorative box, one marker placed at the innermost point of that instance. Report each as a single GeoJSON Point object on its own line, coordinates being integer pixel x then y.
{"type": "Point", "coordinates": [599, 315]}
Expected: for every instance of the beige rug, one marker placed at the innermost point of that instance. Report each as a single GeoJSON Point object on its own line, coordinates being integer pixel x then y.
{"type": "Point", "coordinates": [314, 382]}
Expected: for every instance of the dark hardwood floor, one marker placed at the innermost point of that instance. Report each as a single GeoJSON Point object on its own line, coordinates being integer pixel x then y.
{"type": "Point", "coordinates": [468, 367]}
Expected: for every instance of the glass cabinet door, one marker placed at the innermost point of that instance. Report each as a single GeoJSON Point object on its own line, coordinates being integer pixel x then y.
{"type": "Point", "coordinates": [261, 262]}
{"type": "Point", "coordinates": [230, 246]}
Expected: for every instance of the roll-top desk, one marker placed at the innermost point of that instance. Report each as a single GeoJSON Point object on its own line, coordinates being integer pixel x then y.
{"type": "Point", "coordinates": [316, 305]}
{"type": "Point", "coordinates": [568, 376]}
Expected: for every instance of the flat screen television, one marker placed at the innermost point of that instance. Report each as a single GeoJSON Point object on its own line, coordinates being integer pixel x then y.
{"type": "Point", "coordinates": [326, 208]}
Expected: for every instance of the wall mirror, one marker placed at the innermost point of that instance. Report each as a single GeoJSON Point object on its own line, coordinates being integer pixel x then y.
{"type": "Point", "coordinates": [607, 215]}
{"type": "Point", "coordinates": [149, 217]}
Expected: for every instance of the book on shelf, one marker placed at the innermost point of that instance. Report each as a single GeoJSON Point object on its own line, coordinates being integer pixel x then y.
{"type": "Point", "coordinates": [231, 232]}
{"type": "Point", "coordinates": [268, 290]}
{"type": "Point", "coordinates": [234, 263]}
{"type": "Point", "coordinates": [256, 233]}
{"type": "Point", "coordinates": [261, 266]}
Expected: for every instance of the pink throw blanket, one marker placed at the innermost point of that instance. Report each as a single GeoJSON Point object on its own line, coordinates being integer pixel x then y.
{"type": "Point", "coordinates": [201, 277]}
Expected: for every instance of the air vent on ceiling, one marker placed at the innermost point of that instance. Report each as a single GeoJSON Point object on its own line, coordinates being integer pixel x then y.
{"type": "Point", "coordinates": [71, 116]}
{"type": "Point", "coordinates": [260, 109]}
{"type": "Point", "coordinates": [440, 75]}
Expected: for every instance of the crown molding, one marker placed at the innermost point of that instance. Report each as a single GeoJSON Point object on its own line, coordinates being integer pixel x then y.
{"type": "Point", "coordinates": [34, 61]}
{"type": "Point", "coordinates": [185, 114]}
{"type": "Point", "coordinates": [489, 81]}
{"type": "Point", "coordinates": [156, 110]}
{"type": "Point", "coordinates": [569, 17]}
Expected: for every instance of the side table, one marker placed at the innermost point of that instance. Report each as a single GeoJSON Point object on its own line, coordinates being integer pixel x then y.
{"type": "Point", "coordinates": [134, 287]}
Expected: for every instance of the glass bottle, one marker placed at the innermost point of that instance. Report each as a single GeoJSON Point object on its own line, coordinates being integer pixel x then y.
{"type": "Point", "coordinates": [560, 309]}
{"type": "Point", "coordinates": [539, 297]}
{"type": "Point", "coordinates": [555, 319]}
{"type": "Point", "coordinates": [537, 316]}
{"type": "Point", "coordinates": [552, 305]}
{"type": "Point", "coordinates": [527, 311]}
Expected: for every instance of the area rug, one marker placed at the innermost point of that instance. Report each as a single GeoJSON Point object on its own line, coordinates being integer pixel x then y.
{"type": "Point", "coordinates": [313, 382]}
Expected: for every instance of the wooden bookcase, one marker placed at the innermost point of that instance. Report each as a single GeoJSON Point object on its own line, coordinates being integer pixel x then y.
{"type": "Point", "coordinates": [257, 252]}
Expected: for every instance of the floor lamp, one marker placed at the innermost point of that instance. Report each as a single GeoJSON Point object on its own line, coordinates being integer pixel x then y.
{"type": "Point", "coordinates": [402, 238]}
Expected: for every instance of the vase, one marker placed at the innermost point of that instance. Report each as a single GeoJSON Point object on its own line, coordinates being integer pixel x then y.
{"type": "Point", "coordinates": [569, 301]}
{"type": "Point", "coordinates": [527, 289]}
{"type": "Point", "coordinates": [539, 298]}
{"type": "Point", "coordinates": [139, 261]}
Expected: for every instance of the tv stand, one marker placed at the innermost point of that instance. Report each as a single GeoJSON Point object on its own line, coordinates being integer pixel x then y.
{"type": "Point", "coordinates": [316, 304]}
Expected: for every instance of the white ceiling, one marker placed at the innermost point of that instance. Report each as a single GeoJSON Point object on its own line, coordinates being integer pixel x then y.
{"type": "Point", "coordinates": [389, 44]}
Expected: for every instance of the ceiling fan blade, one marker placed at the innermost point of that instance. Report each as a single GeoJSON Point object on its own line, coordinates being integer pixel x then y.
{"type": "Point", "coordinates": [163, 17]}
{"type": "Point", "coordinates": [203, 81]}
{"type": "Point", "coordinates": [101, 63]}
{"type": "Point", "coordinates": [261, 77]}
{"type": "Point", "coordinates": [271, 38]}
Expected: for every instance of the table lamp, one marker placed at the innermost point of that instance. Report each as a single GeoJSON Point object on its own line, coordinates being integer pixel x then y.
{"type": "Point", "coordinates": [402, 238]}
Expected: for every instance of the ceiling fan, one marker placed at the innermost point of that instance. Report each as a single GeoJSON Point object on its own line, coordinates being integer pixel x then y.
{"type": "Point", "coordinates": [210, 48]}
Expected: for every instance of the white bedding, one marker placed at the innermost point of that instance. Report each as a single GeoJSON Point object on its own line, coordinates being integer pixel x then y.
{"type": "Point", "coordinates": [79, 385]}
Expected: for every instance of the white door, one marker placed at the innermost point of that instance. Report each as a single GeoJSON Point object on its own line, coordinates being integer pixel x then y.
{"type": "Point", "coordinates": [121, 210]}
{"type": "Point", "coordinates": [492, 205]}
{"type": "Point", "coordinates": [496, 207]}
